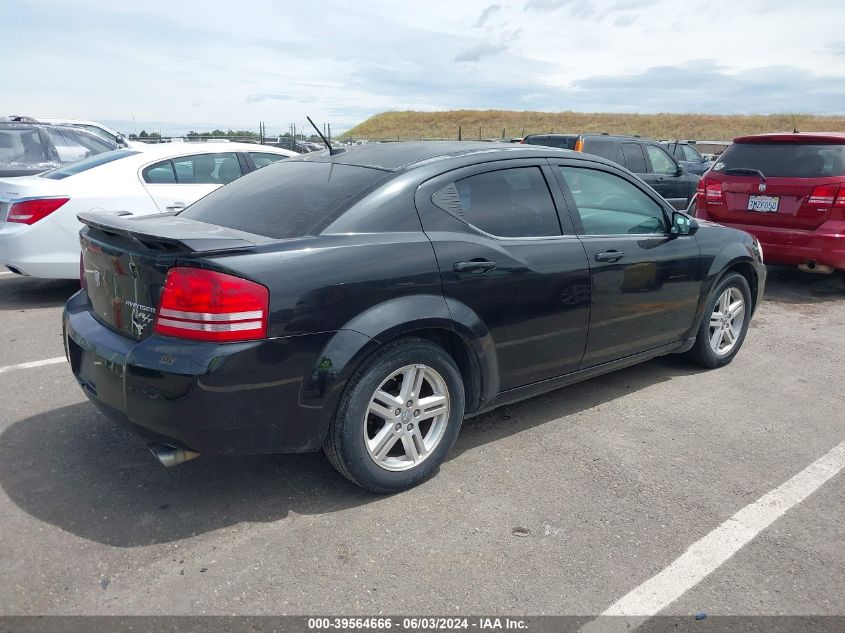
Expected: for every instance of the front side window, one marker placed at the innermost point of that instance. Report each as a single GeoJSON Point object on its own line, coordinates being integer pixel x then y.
{"type": "Point", "coordinates": [634, 157]}
{"type": "Point", "coordinates": [610, 205]}
{"type": "Point", "coordinates": [207, 169]}
{"type": "Point", "coordinates": [661, 163]}
{"type": "Point", "coordinates": [508, 203]}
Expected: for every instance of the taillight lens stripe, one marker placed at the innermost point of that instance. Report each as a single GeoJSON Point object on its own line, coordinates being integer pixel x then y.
{"type": "Point", "coordinates": [211, 316]}
{"type": "Point", "coordinates": [240, 326]}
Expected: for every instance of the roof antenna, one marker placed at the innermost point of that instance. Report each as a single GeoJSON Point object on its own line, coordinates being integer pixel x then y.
{"type": "Point", "coordinates": [794, 129]}
{"type": "Point", "coordinates": [332, 151]}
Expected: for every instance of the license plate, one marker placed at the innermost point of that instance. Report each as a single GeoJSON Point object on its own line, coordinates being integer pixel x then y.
{"type": "Point", "coordinates": [766, 204]}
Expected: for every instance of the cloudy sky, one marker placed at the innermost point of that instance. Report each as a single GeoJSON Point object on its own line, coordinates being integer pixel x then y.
{"type": "Point", "coordinates": [181, 64]}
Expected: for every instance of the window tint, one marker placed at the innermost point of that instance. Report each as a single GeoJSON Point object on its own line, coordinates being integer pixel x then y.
{"type": "Point", "coordinates": [207, 169]}
{"type": "Point", "coordinates": [661, 163]}
{"type": "Point", "coordinates": [508, 203]}
{"type": "Point", "coordinates": [785, 160]}
{"type": "Point", "coordinates": [609, 205]}
{"type": "Point", "coordinates": [262, 159]}
{"type": "Point", "coordinates": [160, 173]}
{"type": "Point", "coordinates": [286, 199]}
{"type": "Point", "coordinates": [88, 163]}
{"type": "Point", "coordinates": [634, 157]}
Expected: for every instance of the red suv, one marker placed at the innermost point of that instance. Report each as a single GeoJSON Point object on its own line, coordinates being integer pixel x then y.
{"type": "Point", "coordinates": [788, 190]}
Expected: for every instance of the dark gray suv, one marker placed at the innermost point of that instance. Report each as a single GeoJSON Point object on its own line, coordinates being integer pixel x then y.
{"type": "Point", "coordinates": [646, 158]}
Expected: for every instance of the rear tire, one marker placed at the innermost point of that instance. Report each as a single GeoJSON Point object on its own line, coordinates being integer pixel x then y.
{"type": "Point", "coordinates": [398, 416]}
{"type": "Point", "coordinates": [724, 324]}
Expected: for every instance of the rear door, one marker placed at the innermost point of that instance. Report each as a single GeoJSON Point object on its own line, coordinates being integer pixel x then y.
{"type": "Point", "coordinates": [772, 184]}
{"type": "Point", "coordinates": [504, 256]}
{"type": "Point", "coordinates": [178, 182]}
{"type": "Point", "coordinates": [645, 283]}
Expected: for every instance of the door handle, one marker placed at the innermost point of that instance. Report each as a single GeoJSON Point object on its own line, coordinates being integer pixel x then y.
{"type": "Point", "coordinates": [175, 206]}
{"type": "Point", "coordinates": [477, 267]}
{"type": "Point", "coordinates": [609, 256]}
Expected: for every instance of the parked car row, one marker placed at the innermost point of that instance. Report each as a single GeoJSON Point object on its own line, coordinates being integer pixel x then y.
{"type": "Point", "coordinates": [646, 158]}
{"type": "Point", "coordinates": [39, 230]}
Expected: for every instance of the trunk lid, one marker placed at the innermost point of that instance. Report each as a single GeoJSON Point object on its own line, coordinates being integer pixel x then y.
{"type": "Point", "coordinates": [125, 262]}
{"type": "Point", "coordinates": [791, 194]}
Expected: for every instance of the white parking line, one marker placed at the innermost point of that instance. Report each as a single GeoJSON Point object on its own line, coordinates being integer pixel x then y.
{"type": "Point", "coordinates": [31, 364]}
{"type": "Point", "coordinates": [707, 554]}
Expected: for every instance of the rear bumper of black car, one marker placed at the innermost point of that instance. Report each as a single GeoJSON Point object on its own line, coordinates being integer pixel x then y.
{"type": "Point", "coordinates": [253, 397]}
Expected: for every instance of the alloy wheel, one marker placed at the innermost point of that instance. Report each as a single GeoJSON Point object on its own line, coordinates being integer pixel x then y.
{"type": "Point", "coordinates": [406, 417]}
{"type": "Point", "coordinates": [726, 321]}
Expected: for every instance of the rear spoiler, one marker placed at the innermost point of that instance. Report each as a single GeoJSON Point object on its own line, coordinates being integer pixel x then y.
{"type": "Point", "coordinates": [168, 232]}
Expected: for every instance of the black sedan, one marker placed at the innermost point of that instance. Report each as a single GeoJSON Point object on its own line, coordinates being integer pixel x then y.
{"type": "Point", "coordinates": [366, 301]}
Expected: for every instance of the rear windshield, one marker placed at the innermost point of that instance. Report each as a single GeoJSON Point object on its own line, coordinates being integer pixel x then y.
{"type": "Point", "coordinates": [785, 160]}
{"type": "Point", "coordinates": [563, 142]}
{"type": "Point", "coordinates": [285, 199]}
{"type": "Point", "coordinates": [22, 146]}
{"type": "Point", "coordinates": [88, 163]}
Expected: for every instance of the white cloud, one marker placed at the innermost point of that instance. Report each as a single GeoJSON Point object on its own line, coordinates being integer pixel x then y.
{"type": "Point", "coordinates": [185, 63]}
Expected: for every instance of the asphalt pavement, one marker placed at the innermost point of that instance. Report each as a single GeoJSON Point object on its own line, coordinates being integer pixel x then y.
{"type": "Point", "coordinates": [563, 504]}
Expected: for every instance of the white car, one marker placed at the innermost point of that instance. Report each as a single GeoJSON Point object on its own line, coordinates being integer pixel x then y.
{"type": "Point", "coordinates": [39, 232]}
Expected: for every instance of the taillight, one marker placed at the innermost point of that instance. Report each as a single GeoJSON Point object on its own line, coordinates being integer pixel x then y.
{"type": "Point", "coordinates": [205, 305]}
{"type": "Point", "coordinates": [30, 211]}
{"type": "Point", "coordinates": [840, 200]}
{"type": "Point", "coordinates": [579, 145]}
{"type": "Point", "coordinates": [712, 190]}
{"type": "Point", "coordinates": [823, 196]}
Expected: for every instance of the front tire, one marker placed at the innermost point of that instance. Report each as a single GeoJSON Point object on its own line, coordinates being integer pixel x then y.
{"type": "Point", "coordinates": [398, 417]}
{"type": "Point", "coordinates": [724, 324]}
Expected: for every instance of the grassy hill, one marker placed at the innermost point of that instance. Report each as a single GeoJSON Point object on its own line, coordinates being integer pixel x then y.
{"type": "Point", "coordinates": [444, 125]}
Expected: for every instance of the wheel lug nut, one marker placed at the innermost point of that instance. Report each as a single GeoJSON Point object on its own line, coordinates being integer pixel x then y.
{"type": "Point", "coordinates": [409, 404]}
{"type": "Point", "coordinates": [397, 412]}
{"type": "Point", "coordinates": [398, 426]}
{"type": "Point", "coordinates": [410, 427]}
{"type": "Point", "coordinates": [417, 413]}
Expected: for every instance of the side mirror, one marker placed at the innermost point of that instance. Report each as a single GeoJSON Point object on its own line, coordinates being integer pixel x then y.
{"type": "Point", "coordinates": [120, 140]}
{"type": "Point", "coordinates": [682, 224]}
{"type": "Point", "coordinates": [679, 169]}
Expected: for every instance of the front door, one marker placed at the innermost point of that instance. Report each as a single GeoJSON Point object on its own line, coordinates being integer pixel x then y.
{"type": "Point", "coordinates": [645, 282]}
{"type": "Point", "coordinates": [505, 261]}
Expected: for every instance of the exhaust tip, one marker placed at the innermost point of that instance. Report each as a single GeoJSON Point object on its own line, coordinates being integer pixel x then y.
{"type": "Point", "coordinates": [812, 266]}
{"type": "Point", "coordinates": [170, 456]}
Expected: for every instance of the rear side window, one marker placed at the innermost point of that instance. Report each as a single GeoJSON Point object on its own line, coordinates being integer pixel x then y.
{"type": "Point", "coordinates": [160, 174]}
{"type": "Point", "coordinates": [88, 163]}
{"type": "Point", "coordinates": [262, 159]}
{"type": "Point", "coordinates": [286, 199]}
{"type": "Point", "coordinates": [508, 203]}
{"type": "Point", "coordinates": [610, 205]}
{"type": "Point", "coordinates": [785, 160]}
{"type": "Point", "coordinates": [690, 154]}
{"type": "Point", "coordinates": [634, 157]}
